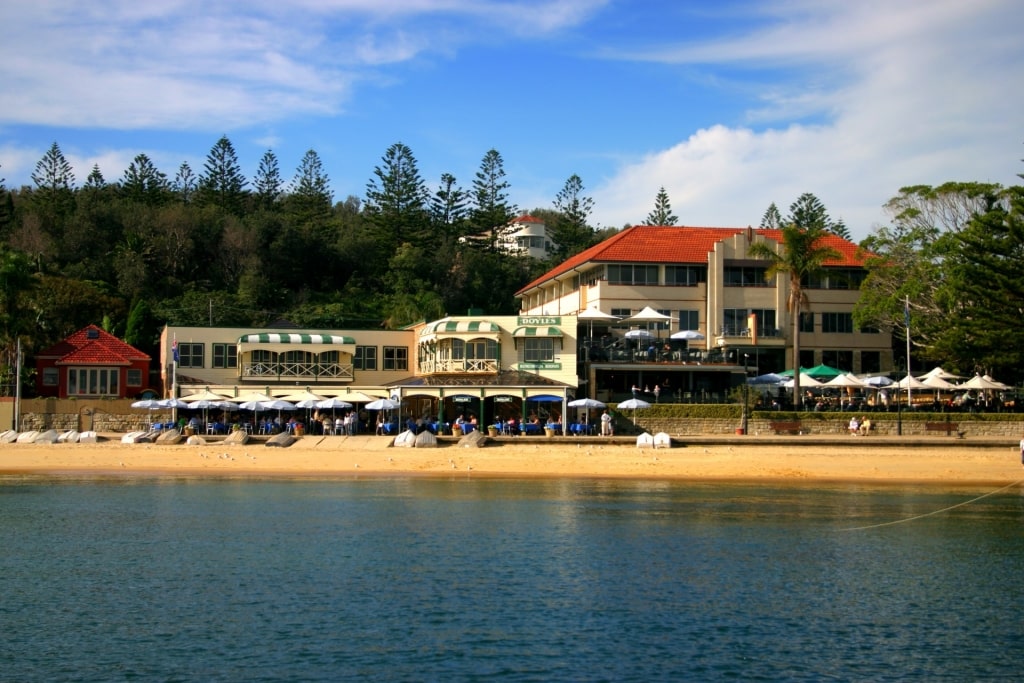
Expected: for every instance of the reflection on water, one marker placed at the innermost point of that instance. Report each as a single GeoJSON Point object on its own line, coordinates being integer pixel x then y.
{"type": "Point", "coordinates": [427, 579]}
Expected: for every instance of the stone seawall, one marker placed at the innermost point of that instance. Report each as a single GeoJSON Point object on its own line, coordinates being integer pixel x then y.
{"type": "Point", "coordinates": [118, 416]}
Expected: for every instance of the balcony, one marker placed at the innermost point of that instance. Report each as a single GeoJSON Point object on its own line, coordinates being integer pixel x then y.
{"type": "Point", "coordinates": [729, 335]}
{"type": "Point", "coordinates": [478, 365]}
{"type": "Point", "coordinates": [311, 372]}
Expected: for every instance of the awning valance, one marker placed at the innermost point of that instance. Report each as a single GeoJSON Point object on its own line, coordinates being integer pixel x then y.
{"type": "Point", "coordinates": [277, 341]}
{"type": "Point", "coordinates": [460, 328]}
{"type": "Point", "coordinates": [537, 332]}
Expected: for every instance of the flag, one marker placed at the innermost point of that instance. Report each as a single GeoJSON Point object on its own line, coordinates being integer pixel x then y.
{"type": "Point", "coordinates": [906, 313]}
{"type": "Point", "coordinates": [174, 350]}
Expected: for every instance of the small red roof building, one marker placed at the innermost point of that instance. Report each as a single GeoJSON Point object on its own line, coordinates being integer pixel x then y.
{"type": "Point", "coordinates": [91, 363]}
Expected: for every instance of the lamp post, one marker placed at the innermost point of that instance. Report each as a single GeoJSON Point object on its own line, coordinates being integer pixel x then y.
{"type": "Point", "coordinates": [899, 411]}
{"type": "Point", "coordinates": [746, 392]}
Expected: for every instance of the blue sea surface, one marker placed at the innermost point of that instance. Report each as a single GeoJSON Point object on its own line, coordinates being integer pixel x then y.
{"type": "Point", "coordinates": [462, 579]}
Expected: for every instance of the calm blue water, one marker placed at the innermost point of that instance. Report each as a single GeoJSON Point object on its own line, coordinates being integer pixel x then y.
{"type": "Point", "coordinates": [481, 580]}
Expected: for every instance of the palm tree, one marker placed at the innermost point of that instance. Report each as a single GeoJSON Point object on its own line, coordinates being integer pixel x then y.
{"type": "Point", "coordinates": [803, 255]}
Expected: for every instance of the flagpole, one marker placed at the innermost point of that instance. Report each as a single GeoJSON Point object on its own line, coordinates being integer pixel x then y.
{"type": "Point", "coordinates": [174, 378]}
{"type": "Point", "coordinates": [906, 318]}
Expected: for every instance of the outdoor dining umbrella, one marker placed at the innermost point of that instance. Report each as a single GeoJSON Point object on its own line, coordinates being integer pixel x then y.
{"type": "Point", "coordinates": [587, 403]}
{"type": "Point", "coordinates": [204, 395]}
{"type": "Point", "coordinates": [688, 335]}
{"type": "Point", "coordinates": [205, 405]}
{"type": "Point", "coordinates": [633, 404]}
{"type": "Point", "coordinates": [382, 404]}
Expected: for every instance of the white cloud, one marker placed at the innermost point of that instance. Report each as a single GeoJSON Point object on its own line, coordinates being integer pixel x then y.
{"type": "Point", "coordinates": [925, 93]}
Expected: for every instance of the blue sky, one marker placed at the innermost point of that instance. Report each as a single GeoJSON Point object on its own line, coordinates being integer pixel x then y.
{"type": "Point", "coordinates": [729, 105]}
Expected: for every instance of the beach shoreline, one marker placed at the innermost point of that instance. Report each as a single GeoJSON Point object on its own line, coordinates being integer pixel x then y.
{"type": "Point", "coordinates": [849, 460]}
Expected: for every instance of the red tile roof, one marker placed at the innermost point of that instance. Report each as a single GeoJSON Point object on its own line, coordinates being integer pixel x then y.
{"type": "Point", "coordinates": [527, 218]}
{"type": "Point", "coordinates": [102, 349]}
{"type": "Point", "coordinates": [675, 245]}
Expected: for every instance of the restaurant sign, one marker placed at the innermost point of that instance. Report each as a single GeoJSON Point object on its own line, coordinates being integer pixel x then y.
{"type": "Point", "coordinates": [539, 366]}
{"type": "Point", "coordinates": [539, 320]}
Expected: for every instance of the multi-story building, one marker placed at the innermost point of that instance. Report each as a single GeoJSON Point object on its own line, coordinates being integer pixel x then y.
{"type": "Point", "coordinates": [487, 366]}
{"type": "Point", "coordinates": [526, 236]}
{"type": "Point", "coordinates": [707, 285]}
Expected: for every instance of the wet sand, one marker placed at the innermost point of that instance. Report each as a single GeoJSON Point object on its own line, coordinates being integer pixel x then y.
{"type": "Point", "coordinates": [744, 458]}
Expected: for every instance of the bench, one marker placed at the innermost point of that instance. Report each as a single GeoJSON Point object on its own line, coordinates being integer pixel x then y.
{"type": "Point", "coordinates": [787, 427]}
{"type": "Point", "coordinates": [948, 427]}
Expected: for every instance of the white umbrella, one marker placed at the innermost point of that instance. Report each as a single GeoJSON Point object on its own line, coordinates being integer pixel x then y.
{"type": "Point", "coordinates": [911, 382]}
{"type": "Point", "coordinates": [383, 404]}
{"type": "Point", "coordinates": [846, 380]}
{"type": "Point", "coordinates": [171, 403]}
{"type": "Point", "coordinates": [766, 379]}
{"type": "Point", "coordinates": [357, 397]}
{"type": "Point", "coordinates": [148, 404]}
{"type": "Point", "coordinates": [982, 383]}
{"type": "Point", "coordinates": [204, 395]}
{"type": "Point", "coordinates": [585, 403]}
{"type": "Point", "coordinates": [806, 382]}
{"type": "Point", "coordinates": [633, 404]}
{"type": "Point", "coordinates": [688, 335]}
{"type": "Point", "coordinates": [639, 334]}
{"type": "Point", "coordinates": [595, 314]}
{"type": "Point", "coordinates": [300, 397]}
{"type": "Point", "coordinates": [940, 373]}
{"type": "Point", "coordinates": [332, 403]}
{"type": "Point", "coordinates": [877, 381]}
{"type": "Point", "coordinates": [649, 315]}
{"type": "Point", "coordinates": [205, 405]}
{"type": "Point", "coordinates": [938, 382]}
{"type": "Point", "coordinates": [277, 404]}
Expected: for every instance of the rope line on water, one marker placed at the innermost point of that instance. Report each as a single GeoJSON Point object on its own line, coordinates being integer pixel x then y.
{"type": "Point", "coordinates": [936, 512]}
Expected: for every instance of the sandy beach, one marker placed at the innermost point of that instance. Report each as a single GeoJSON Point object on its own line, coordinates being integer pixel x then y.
{"type": "Point", "coordinates": [747, 458]}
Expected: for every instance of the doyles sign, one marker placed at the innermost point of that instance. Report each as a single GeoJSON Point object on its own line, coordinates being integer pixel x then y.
{"type": "Point", "coordinates": [539, 320]}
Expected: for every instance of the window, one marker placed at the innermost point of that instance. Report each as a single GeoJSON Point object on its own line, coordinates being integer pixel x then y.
{"type": "Point", "coordinates": [538, 350]}
{"type": "Point", "coordinates": [134, 378]}
{"type": "Point", "coordinates": [481, 349]}
{"type": "Point", "coordinates": [745, 276]}
{"type": "Point", "coordinates": [685, 276]}
{"type": "Point", "coordinates": [365, 358]}
{"type": "Point", "coordinates": [225, 356]}
{"type": "Point", "coordinates": [632, 275]}
{"type": "Point", "coordinates": [843, 360]}
{"type": "Point", "coordinates": [663, 325]}
{"type": "Point", "coordinates": [92, 382]}
{"type": "Point", "coordinates": [689, 320]}
{"type": "Point", "coordinates": [870, 329]}
{"type": "Point", "coordinates": [870, 361]}
{"type": "Point", "coordinates": [396, 358]}
{"type": "Point", "coordinates": [734, 321]}
{"type": "Point", "coordinates": [807, 358]}
{"type": "Point", "coordinates": [190, 355]}
{"type": "Point", "coordinates": [807, 322]}
{"type": "Point", "coordinates": [837, 322]}
{"type": "Point", "coordinates": [622, 312]}
{"type": "Point", "coordinates": [836, 278]}
{"type": "Point", "coordinates": [51, 377]}
{"type": "Point", "coordinates": [766, 323]}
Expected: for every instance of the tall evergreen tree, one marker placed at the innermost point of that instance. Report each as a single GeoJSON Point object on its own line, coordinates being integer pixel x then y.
{"type": "Point", "coordinates": [222, 183]}
{"type": "Point", "coordinates": [662, 213]}
{"type": "Point", "coordinates": [185, 183]}
{"type": "Point", "coordinates": [268, 183]}
{"type": "Point", "coordinates": [54, 192]}
{"type": "Point", "coordinates": [571, 232]}
{"type": "Point", "coordinates": [490, 211]}
{"type": "Point", "coordinates": [311, 193]}
{"type": "Point", "coordinates": [396, 202]}
{"type": "Point", "coordinates": [448, 206]}
{"type": "Point", "coordinates": [95, 179]}
{"type": "Point", "coordinates": [143, 182]}
{"type": "Point", "coordinates": [808, 210]}
{"type": "Point", "coordinates": [772, 219]}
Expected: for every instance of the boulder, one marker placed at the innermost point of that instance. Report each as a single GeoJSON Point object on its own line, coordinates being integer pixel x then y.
{"type": "Point", "coordinates": [426, 440]}
{"type": "Point", "coordinates": [475, 439]}
{"type": "Point", "coordinates": [237, 437]}
{"type": "Point", "coordinates": [167, 437]}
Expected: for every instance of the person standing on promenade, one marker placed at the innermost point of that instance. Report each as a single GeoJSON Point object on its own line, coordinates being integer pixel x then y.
{"type": "Point", "coordinates": [606, 427]}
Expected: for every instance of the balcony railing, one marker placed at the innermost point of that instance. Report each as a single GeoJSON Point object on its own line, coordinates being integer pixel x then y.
{"type": "Point", "coordinates": [481, 365]}
{"type": "Point", "coordinates": [308, 371]}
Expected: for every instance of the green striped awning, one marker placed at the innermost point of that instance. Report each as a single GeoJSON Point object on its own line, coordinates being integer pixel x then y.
{"type": "Point", "coordinates": [294, 338]}
{"type": "Point", "coordinates": [472, 328]}
{"type": "Point", "coordinates": [537, 332]}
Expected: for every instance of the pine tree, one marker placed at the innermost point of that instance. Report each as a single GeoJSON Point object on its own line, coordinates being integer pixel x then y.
{"type": "Point", "coordinates": [448, 206]}
{"type": "Point", "coordinates": [144, 183]}
{"type": "Point", "coordinates": [772, 219]}
{"type": "Point", "coordinates": [267, 183]}
{"type": "Point", "coordinates": [54, 193]}
{"type": "Point", "coordinates": [185, 183]}
{"type": "Point", "coordinates": [222, 183]}
{"type": "Point", "coordinates": [396, 202]}
{"type": "Point", "coordinates": [662, 213]}
{"type": "Point", "coordinates": [490, 211]}
{"type": "Point", "coordinates": [311, 194]}
{"type": "Point", "coordinates": [571, 232]}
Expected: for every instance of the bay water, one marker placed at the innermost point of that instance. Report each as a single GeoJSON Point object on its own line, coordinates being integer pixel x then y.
{"type": "Point", "coordinates": [468, 579]}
